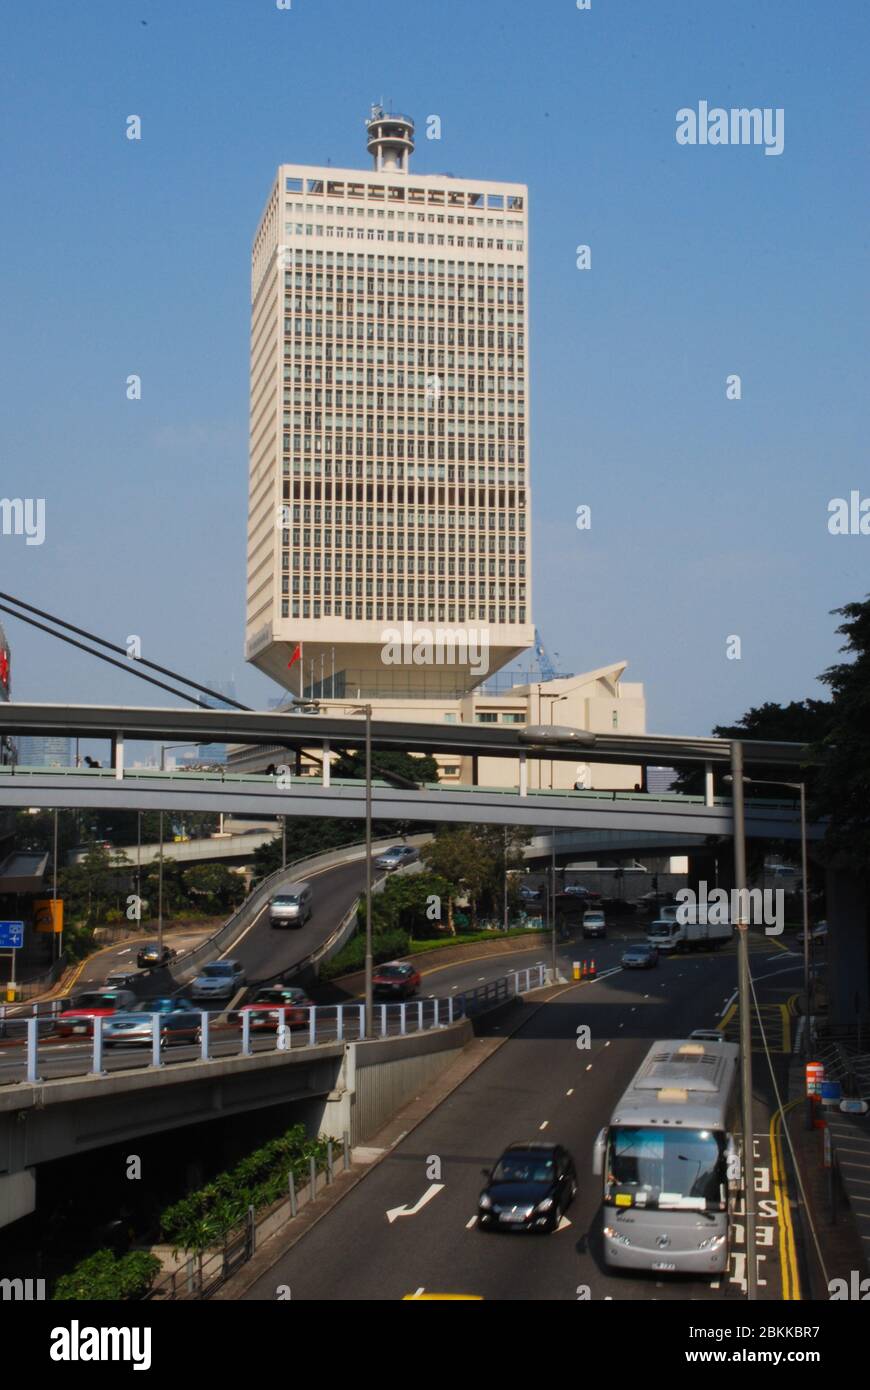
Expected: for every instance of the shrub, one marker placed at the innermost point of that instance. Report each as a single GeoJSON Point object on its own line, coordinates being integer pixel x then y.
{"type": "Point", "coordinates": [385, 946]}
{"type": "Point", "coordinates": [103, 1278]}
{"type": "Point", "coordinates": [203, 1217]}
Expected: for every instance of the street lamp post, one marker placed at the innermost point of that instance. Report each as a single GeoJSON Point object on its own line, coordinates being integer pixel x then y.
{"type": "Point", "coordinates": [369, 1008]}
{"type": "Point", "coordinates": [805, 892]}
{"type": "Point", "coordinates": [553, 900]}
{"type": "Point", "coordinates": [744, 1006]}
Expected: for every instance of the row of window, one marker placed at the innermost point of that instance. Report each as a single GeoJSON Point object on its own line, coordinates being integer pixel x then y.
{"type": "Point", "coordinates": [401, 215]}
{"type": "Point", "coordinates": [399, 588]}
{"type": "Point", "coordinates": [491, 453]}
{"type": "Point", "coordinates": [314, 264]}
{"type": "Point", "coordinates": [392, 519]}
{"type": "Point", "coordinates": [313, 608]}
{"type": "Point", "coordinates": [329, 352]}
{"type": "Point", "coordinates": [294, 229]}
{"type": "Point", "coordinates": [403, 193]}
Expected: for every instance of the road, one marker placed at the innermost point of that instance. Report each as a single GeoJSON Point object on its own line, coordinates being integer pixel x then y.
{"type": "Point", "coordinates": [537, 1085]}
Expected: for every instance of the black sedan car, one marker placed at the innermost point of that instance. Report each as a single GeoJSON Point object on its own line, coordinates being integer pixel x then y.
{"type": "Point", "coordinates": [529, 1189]}
{"type": "Point", "coordinates": [153, 954]}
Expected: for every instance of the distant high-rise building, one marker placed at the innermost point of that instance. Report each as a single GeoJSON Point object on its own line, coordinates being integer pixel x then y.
{"type": "Point", "coordinates": [389, 424]}
{"type": "Point", "coordinates": [215, 752]}
{"type": "Point", "coordinates": [45, 752]}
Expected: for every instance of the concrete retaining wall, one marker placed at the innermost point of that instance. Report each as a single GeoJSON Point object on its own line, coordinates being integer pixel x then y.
{"type": "Point", "coordinates": [383, 1075]}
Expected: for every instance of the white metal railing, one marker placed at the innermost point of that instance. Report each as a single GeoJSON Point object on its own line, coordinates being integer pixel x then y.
{"type": "Point", "coordinates": [33, 1046]}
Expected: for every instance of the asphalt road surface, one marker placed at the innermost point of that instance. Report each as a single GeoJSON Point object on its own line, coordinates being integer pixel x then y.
{"type": "Point", "coordinates": [537, 1086]}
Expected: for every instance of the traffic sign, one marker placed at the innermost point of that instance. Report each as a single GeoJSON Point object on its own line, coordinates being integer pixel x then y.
{"type": "Point", "coordinates": [11, 935]}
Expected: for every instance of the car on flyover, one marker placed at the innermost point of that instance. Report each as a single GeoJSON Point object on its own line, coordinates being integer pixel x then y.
{"type": "Point", "coordinates": [152, 955]}
{"type": "Point", "coordinates": [219, 980]}
{"type": "Point", "coordinates": [396, 979]}
{"type": "Point", "coordinates": [396, 857]}
{"type": "Point", "coordinates": [267, 1004]}
{"type": "Point", "coordinates": [78, 1019]}
{"type": "Point", "coordinates": [530, 1188]}
{"type": "Point", "coordinates": [180, 1022]}
{"type": "Point", "coordinates": [640, 956]}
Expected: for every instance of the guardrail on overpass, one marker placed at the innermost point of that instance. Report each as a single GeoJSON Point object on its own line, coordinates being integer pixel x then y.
{"type": "Point", "coordinates": [254, 794]}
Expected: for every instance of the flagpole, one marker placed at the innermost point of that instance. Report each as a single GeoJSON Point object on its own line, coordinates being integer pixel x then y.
{"type": "Point", "coordinates": [301, 673]}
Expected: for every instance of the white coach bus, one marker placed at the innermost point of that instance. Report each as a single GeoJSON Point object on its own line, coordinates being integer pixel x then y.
{"type": "Point", "coordinates": [670, 1162]}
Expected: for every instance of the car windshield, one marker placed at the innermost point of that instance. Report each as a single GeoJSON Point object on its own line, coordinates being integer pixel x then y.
{"type": "Point", "coordinates": [217, 971]}
{"type": "Point", "coordinates": [393, 972]}
{"type": "Point", "coordinates": [664, 1168]}
{"type": "Point", "coordinates": [154, 1006]}
{"type": "Point", "coordinates": [288, 900]}
{"type": "Point", "coordinates": [273, 996]}
{"type": "Point", "coordinates": [523, 1168]}
{"type": "Point", "coordinates": [96, 1001]}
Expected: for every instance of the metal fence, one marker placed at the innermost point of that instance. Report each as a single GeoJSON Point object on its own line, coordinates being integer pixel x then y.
{"type": "Point", "coordinates": [32, 1045]}
{"type": "Point", "coordinates": [202, 1274]}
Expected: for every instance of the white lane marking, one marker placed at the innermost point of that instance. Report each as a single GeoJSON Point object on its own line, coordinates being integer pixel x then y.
{"type": "Point", "coordinates": [432, 1191]}
{"type": "Point", "coordinates": [570, 1091]}
{"type": "Point", "coordinates": [544, 1125]}
{"type": "Point", "coordinates": [126, 952]}
{"type": "Point", "coordinates": [472, 1222]}
{"type": "Point", "coordinates": [728, 1003]}
{"type": "Point", "coordinates": [589, 1067]}
{"type": "Point", "coordinates": [607, 1044]}
{"type": "Point", "coordinates": [481, 977]}
{"type": "Point", "coordinates": [419, 1291]}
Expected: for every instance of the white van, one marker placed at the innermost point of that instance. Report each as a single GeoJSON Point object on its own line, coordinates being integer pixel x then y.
{"type": "Point", "coordinates": [291, 906]}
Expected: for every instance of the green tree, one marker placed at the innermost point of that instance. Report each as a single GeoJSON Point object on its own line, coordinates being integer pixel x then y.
{"type": "Point", "coordinates": [844, 781]}
{"type": "Point", "coordinates": [801, 721]}
{"type": "Point", "coordinates": [214, 885]}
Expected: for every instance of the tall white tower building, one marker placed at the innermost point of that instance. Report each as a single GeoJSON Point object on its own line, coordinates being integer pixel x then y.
{"type": "Point", "coordinates": [389, 432]}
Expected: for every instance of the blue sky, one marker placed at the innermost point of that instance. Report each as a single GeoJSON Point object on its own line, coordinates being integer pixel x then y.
{"type": "Point", "coordinates": [709, 517]}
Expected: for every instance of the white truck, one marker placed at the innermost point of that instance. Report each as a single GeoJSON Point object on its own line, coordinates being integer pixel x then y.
{"type": "Point", "coordinates": [689, 929]}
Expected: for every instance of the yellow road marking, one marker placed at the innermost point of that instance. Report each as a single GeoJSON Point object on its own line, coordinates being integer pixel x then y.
{"type": "Point", "coordinates": [441, 1297]}
{"type": "Point", "coordinates": [791, 1290]}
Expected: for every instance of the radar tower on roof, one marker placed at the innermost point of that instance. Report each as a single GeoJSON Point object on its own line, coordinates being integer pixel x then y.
{"type": "Point", "coordinates": [390, 140]}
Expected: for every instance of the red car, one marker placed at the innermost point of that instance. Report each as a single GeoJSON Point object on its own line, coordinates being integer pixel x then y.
{"type": "Point", "coordinates": [396, 980]}
{"type": "Point", "coordinates": [265, 1008]}
{"type": "Point", "coordinates": [78, 1020]}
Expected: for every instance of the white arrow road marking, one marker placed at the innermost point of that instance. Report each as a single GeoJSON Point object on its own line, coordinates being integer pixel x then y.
{"type": "Point", "coordinates": [432, 1191]}
{"type": "Point", "coordinates": [472, 1222]}
{"type": "Point", "coordinates": [564, 1223]}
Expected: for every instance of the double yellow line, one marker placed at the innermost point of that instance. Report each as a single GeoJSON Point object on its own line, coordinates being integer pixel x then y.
{"type": "Point", "coordinates": [791, 1289]}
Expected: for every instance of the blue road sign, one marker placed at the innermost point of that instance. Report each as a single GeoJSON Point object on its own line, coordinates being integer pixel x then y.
{"type": "Point", "coordinates": [11, 935]}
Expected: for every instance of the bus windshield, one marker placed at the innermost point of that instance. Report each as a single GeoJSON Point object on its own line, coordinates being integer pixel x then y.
{"type": "Point", "coordinates": [665, 1168]}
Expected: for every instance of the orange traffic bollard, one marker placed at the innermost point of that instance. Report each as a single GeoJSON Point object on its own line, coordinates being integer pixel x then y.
{"type": "Point", "coordinates": [592, 970]}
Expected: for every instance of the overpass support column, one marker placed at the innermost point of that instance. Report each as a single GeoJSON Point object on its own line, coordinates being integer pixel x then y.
{"type": "Point", "coordinates": [708, 784]}
{"type": "Point", "coordinates": [326, 767]}
{"type": "Point", "coordinates": [524, 775]}
{"type": "Point", "coordinates": [118, 755]}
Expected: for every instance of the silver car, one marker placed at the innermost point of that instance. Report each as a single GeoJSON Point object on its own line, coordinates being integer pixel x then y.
{"type": "Point", "coordinates": [179, 1023]}
{"type": "Point", "coordinates": [396, 856]}
{"type": "Point", "coordinates": [220, 979]}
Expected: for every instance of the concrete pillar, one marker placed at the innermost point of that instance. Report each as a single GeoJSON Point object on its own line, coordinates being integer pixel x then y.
{"type": "Point", "coordinates": [708, 784]}
{"type": "Point", "coordinates": [326, 767]}
{"type": "Point", "coordinates": [524, 775]}
{"type": "Point", "coordinates": [118, 755]}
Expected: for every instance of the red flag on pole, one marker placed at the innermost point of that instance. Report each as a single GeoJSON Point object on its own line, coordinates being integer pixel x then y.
{"type": "Point", "coordinates": [296, 655]}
